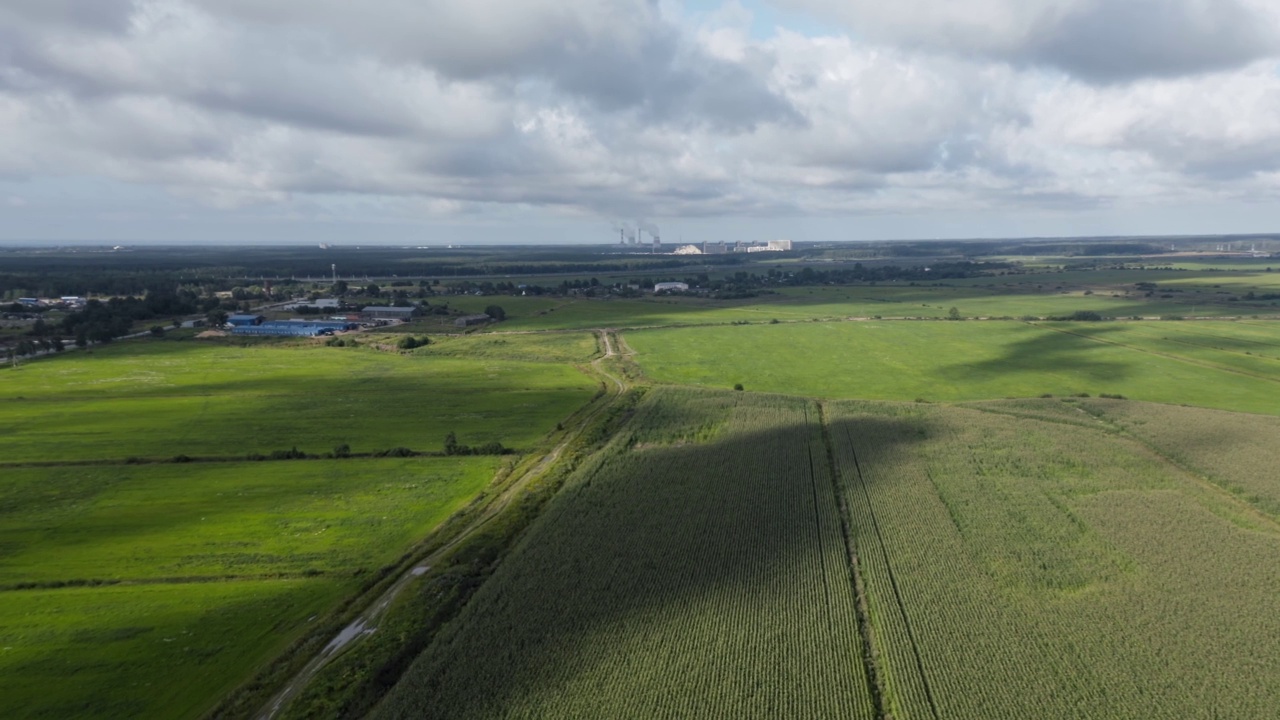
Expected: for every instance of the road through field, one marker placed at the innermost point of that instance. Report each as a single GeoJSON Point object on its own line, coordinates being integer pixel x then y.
{"type": "Point", "coordinates": [364, 624]}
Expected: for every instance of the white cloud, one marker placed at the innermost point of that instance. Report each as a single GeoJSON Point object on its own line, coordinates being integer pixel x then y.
{"type": "Point", "coordinates": [616, 107]}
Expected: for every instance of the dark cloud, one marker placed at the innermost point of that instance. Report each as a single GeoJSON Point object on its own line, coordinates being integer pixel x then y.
{"type": "Point", "coordinates": [108, 16]}
{"type": "Point", "coordinates": [1129, 39]}
{"type": "Point", "coordinates": [1102, 41]}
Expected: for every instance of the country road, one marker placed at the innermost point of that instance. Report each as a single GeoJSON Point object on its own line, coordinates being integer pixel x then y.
{"type": "Point", "coordinates": [365, 623]}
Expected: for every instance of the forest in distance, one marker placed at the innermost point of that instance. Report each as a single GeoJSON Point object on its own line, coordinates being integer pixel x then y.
{"type": "Point", "coordinates": [988, 479]}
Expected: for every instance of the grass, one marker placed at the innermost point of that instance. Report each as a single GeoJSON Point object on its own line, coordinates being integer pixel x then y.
{"type": "Point", "coordinates": [151, 589]}
{"type": "Point", "coordinates": [955, 361]}
{"type": "Point", "coordinates": [574, 347]}
{"type": "Point", "coordinates": [149, 651]}
{"type": "Point", "coordinates": [210, 520]}
{"type": "Point", "coordinates": [161, 399]}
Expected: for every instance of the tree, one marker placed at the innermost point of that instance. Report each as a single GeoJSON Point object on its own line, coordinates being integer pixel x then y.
{"type": "Point", "coordinates": [496, 312]}
{"type": "Point", "coordinates": [954, 313]}
{"type": "Point", "coordinates": [340, 288]}
{"type": "Point", "coordinates": [451, 444]}
{"type": "Point", "coordinates": [373, 290]}
{"type": "Point", "coordinates": [408, 342]}
{"type": "Point", "coordinates": [157, 331]}
{"type": "Point", "coordinates": [217, 317]}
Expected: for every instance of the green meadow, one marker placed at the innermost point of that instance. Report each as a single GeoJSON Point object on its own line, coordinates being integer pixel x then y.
{"type": "Point", "coordinates": [136, 586]}
{"type": "Point", "coordinates": [953, 361]}
{"type": "Point", "coordinates": [211, 520]}
{"type": "Point", "coordinates": [218, 399]}
{"type": "Point", "coordinates": [146, 651]}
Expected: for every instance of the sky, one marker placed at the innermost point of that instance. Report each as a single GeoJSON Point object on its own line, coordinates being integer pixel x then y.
{"type": "Point", "coordinates": [561, 121]}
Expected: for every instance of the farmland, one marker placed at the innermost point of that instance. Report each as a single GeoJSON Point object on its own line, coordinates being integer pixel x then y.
{"type": "Point", "coordinates": [198, 398]}
{"type": "Point", "coordinates": [695, 567]}
{"type": "Point", "coordinates": [901, 517]}
{"type": "Point", "coordinates": [1226, 365]}
{"type": "Point", "coordinates": [1008, 567]}
{"type": "Point", "coordinates": [158, 547]}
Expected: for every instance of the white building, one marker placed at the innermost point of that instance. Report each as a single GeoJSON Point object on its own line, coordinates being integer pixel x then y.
{"type": "Point", "coordinates": [669, 286]}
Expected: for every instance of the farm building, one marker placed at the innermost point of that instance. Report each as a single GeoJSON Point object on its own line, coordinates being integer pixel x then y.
{"type": "Point", "coordinates": [469, 320]}
{"type": "Point", "coordinates": [388, 312]}
{"type": "Point", "coordinates": [295, 328]}
{"type": "Point", "coordinates": [669, 286]}
{"type": "Point", "coordinates": [243, 320]}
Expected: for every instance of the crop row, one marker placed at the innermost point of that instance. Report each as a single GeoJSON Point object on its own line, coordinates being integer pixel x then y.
{"type": "Point", "coordinates": [668, 579]}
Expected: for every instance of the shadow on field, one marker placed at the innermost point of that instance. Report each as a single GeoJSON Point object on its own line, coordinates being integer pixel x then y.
{"type": "Point", "coordinates": [675, 576]}
{"type": "Point", "coordinates": [1046, 351]}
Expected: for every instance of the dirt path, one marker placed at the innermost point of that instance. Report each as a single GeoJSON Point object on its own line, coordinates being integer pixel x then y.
{"type": "Point", "coordinates": [365, 623]}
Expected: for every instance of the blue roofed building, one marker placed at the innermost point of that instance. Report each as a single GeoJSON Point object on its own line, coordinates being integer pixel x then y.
{"type": "Point", "coordinates": [243, 320]}
{"type": "Point", "coordinates": [295, 328]}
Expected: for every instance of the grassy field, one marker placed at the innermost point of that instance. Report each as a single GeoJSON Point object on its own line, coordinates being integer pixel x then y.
{"type": "Point", "coordinates": [1202, 364]}
{"type": "Point", "coordinates": [210, 520]}
{"type": "Point", "coordinates": [228, 560]}
{"type": "Point", "coordinates": [146, 651]}
{"type": "Point", "coordinates": [161, 399]}
{"type": "Point", "coordinates": [694, 569]}
{"type": "Point", "coordinates": [148, 589]}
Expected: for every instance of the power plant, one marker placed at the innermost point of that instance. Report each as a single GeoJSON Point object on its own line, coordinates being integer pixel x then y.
{"type": "Point", "coordinates": [634, 236]}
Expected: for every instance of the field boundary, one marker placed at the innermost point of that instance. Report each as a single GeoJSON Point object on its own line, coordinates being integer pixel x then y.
{"type": "Point", "coordinates": [870, 651]}
{"type": "Point", "coordinates": [417, 563]}
{"type": "Point", "coordinates": [893, 580]}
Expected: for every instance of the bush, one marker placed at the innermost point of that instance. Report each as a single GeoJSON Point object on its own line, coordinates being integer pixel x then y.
{"type": "Point", "coordinates": [737, 386]}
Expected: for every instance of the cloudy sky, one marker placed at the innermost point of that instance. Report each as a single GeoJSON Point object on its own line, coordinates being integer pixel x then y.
{"type": "Point", "coordinates": [470, 121]}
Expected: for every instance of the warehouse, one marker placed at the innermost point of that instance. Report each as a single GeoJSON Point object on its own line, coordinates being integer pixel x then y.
{"type": "Point", "coordinates": [388, 312]}
{"type": "Point", "coordinates": [245, 320]}
{"type": "Point", "coordinates": [469, 320]}
{"type": "Point", "coordinates": [670, 286]}
{"type": "Point", "coordinates": [295, 328]}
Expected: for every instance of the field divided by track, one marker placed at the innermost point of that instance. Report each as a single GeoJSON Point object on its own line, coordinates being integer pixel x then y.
{"type": "Point", "coordinates": [1028, 558]}
{"type": "Point", "coordinates": [694, 568]}
{"type": "Point", "coordinates": [1200, 363]}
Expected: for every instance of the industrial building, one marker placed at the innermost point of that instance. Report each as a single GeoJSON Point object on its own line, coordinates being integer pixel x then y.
{"type": "Point", "coordinates": [670, 286]}
{"type": "Point", "coordinates": [245, 320]}
{"type": "Point", "coordinates": [469, 320]}
{"type": "Point", "coordinates": [295, 328]}
{"type": "Point", "coordinates": [388, 312]}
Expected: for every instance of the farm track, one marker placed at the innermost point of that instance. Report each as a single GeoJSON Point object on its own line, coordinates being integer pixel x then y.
{"type": "Point", "coordinates": [893, 581]}
{"type": "Point", "coordinates": [870, 651]}
{"type": "Point", "coordinates": [364, 625]}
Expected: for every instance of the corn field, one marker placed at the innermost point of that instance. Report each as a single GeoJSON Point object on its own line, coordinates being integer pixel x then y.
{"type": "Point", "coordinates": [738, 555]}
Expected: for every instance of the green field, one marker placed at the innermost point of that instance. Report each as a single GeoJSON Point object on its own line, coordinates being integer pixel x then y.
{"type": "Point", "coordinates": [213, 520]}
{"type": "Point", "coordinates": [694, 569]}
{"type": "Point", "coordinates": [1041, 569]}
{"type": "Point", "coordinates": [1007, 567]}
{"type": "Point", "coordinates": [146, 651]}
{"type": "Point", "coordinates": [152, 588]}
{"type": "Point", "coordinates": [1195, 363]}
{"type": "Point", "coordinates": [219, 399]}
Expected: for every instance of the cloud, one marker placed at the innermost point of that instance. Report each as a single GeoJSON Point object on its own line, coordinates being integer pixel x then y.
{"type": "Point", "coordinates": [609, 108]}
{"type": "Point", "coordinates": [1095, 40]}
